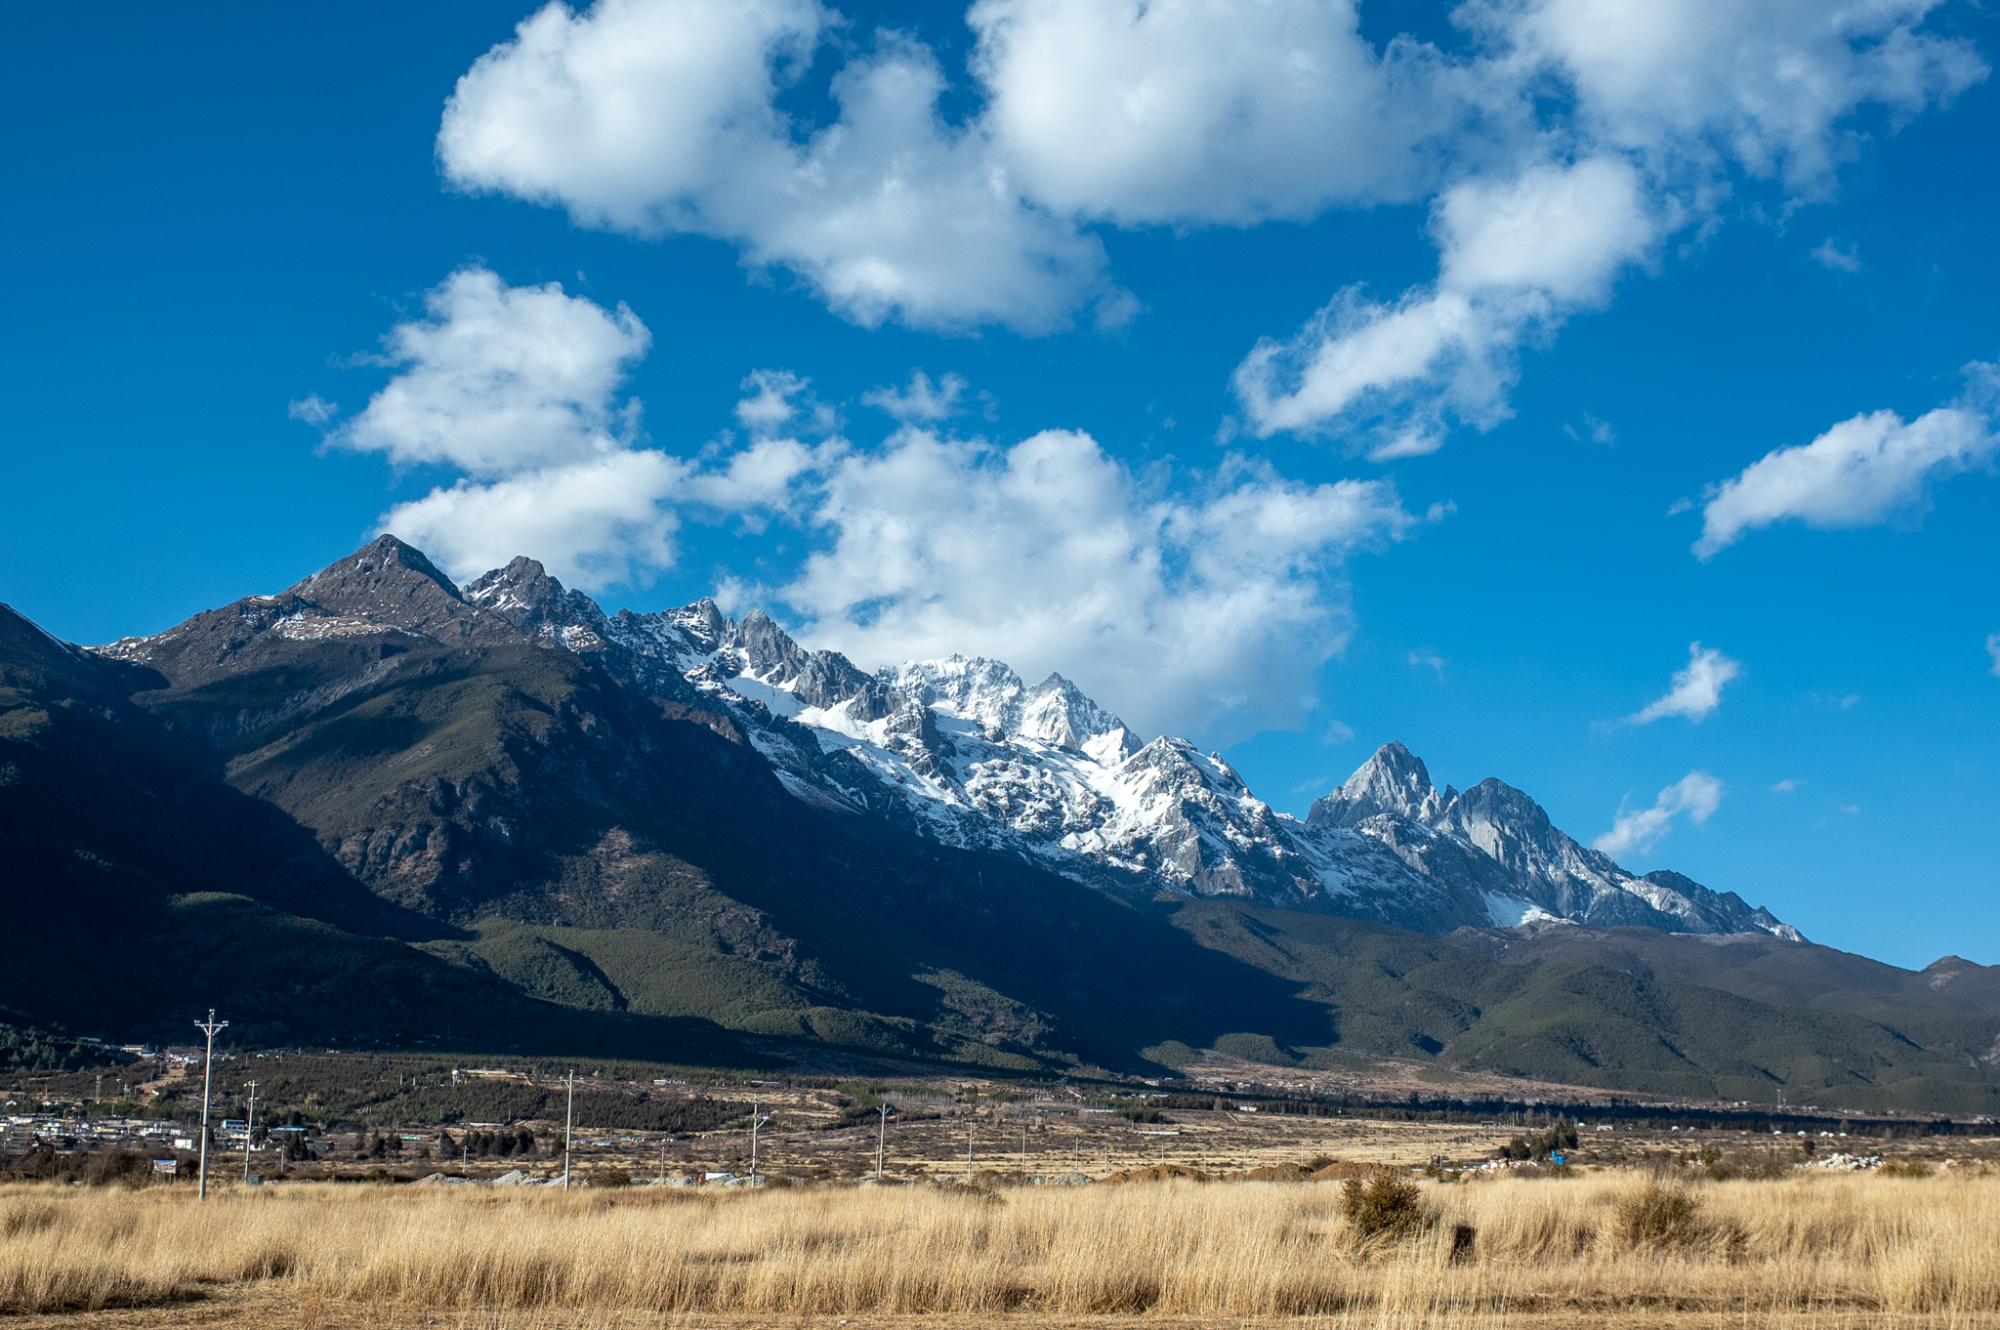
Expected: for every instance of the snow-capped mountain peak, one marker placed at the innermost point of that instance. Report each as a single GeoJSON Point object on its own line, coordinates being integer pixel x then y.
{"type": "Point", "coordinates": [1393, 782]}
{"type": "Point", "coordinates": [960, 750]}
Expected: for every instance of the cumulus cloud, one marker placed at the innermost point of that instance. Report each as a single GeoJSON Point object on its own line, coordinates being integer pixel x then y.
{"type": "Point", "coordinates": [594, 524]}
{"type": "Point", "coordinates": [1696, 691]}
{"type": "Point", "coordinates": [1518, 257]}
{"type": "Point", "coordinates": [1205, 111]}
{"type": "Point", "coordinates": [1696, 794]}
{"type": "Point", "coordinates": [1614, 121]}
{"type": "Point", "coordinates": [656, 117]}
{"type": "Point", "coordinates": [499, 378]}
{"type": "Point", "coordinates": [1203, 601]}
{"type": "Point", "coordinates": [1665, 99]}
{"type": "Point", "coordinates": [1865, 471]}
{"type": "Point", "coordinates": [518, 388]}
{"type": "Point", "coordinates": [1993, 650]}
{"type": "Point", "coordinates": [1214, 605]}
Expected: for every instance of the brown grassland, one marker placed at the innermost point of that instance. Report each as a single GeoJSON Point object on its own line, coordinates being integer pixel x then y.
{"type": "Point", "coordinates": [1611, 1247]}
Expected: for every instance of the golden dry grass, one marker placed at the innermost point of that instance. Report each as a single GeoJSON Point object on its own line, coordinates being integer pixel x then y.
{"type": "Point", "coordinates": [1866, 1244]}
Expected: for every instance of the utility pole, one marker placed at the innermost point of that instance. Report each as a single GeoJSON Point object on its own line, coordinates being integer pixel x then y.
{"type": "Point", "coordinates": [968, 1152]}
{"type": "Point", "coordinates": [210, 1027]}
{"type": "Point", "coordinates": [1024, 1152]}
{"type": "Point", "coordinates": [569, 1123]}
{"type": "Point", "coordinates": [756, 1121]}
{"type": "Point", "coordinates": [663, 1160]}
{"type": "Point", "coordinates": [249, 1132]}
{"type": "Point", "coordinates": [881, 1140]}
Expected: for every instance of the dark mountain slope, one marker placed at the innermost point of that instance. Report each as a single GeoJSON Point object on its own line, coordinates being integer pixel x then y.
{"type": "Point", "coordinates": [1394, 992]}
{"type": "Point", "coordinates": [1951, 1005]}
{"type": "Point", "coordinates": [138, 886]}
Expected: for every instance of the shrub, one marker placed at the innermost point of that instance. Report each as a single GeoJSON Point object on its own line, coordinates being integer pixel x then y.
{"type": "Point", "coordinates": [1386, 1205]}
{"type": "Point", "coordinates": [1661, 1216]}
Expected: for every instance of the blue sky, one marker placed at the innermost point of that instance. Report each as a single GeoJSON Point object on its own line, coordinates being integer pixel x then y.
{"type": "Point", "coordinates": [1528, 277]}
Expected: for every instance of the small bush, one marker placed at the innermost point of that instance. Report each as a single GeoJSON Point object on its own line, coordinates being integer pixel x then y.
{"type": "Point", "coordinates": [613, 1177]}
{"type": "Point", "coordinates": [1386, 1205]}
{"type": "Point", "coordinates": [1661, 1216]}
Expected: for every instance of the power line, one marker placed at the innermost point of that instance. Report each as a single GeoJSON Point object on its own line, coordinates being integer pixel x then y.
{"type": "Point", "coordinates": [210, 1027]}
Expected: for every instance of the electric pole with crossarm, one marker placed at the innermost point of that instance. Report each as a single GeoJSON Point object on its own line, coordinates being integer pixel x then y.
{"type": "Point", "coordinates": [210, 1027]}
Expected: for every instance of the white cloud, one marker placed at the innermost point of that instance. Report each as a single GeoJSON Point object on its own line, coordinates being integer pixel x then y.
{"type": "Point", "coordinates": [1865, 471]}
{"type": "Point", "coordinates": [313, 409]}
{"type": "Point", "coordinates": [1518, 258]}
{"type": "Point", "coordinates": [1213, 607]}
{"type": "Point", "coordinates": [1195, 601]}
{"type": "Point", "coordinates": [657, 117]}
{"type": "Point", "coordinates": [1696, 691]}
{"type": "Point", "coordinates": [923, 402]}
{"type": "Point", "coordinates": [1786, 786]}
{"type": "Point", "coordinates": [1665, 99]}
{"type": "Point", "coordinates": [1430, 659]}
{"type": "Point", "coordinates": [594, 523]}
{"type": "Point", "coordinates": [1203, 110]}
{"type": "Point", "coordinates": [499, 378]}
{"type": "Point", "coordinates": [1831, 255]}
{"type": "Point", "coordinates": [1691, 86]}
{"type": "Point", "coordinates": [661, 117]}
{"type": "Point", "coordinates": [517, 388]}
{"type": "Point", "coordinates": [1993, 650]}
{"type": "Point", "coordinates": [1697, 794]}
{"type": "Point", "coordinates": [1599, 431]}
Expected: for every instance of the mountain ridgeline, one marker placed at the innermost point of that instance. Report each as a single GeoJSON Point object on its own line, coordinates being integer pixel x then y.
{"type": "Point", "coordinates": [379, 807]}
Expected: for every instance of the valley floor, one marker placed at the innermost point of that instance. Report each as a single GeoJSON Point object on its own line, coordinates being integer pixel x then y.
{"type": "Point", "coordinates": [267, 1309]}
{"type": "Point", "coordinates": [1611, 1247]}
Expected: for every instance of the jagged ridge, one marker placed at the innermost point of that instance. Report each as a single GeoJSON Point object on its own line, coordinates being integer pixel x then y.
{"type": "Point", "coordinates": [963, 752]}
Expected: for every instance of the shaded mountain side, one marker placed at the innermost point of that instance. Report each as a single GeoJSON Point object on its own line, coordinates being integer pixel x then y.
{"type": "Point", "coordinates": [1952, 1003]}
{"type": "Point", "coordinates": [518, 783]}
{"type": "Point", "coordinates": [138, 886]}
{"type": "Point", "coordinates": [1396, 993]}
{"type": "Point", "coordinates": [524, 784]}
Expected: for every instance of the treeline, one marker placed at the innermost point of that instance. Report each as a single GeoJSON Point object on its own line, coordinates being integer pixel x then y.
{"type": "Point", "coordinates": [25, 1048]}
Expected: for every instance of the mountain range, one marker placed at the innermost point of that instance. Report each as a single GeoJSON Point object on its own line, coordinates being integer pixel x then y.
{"type": "Point", "coordinates": [379, 806]}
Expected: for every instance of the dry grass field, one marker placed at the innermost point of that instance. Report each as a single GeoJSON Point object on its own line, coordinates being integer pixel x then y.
{"type": "Point", "coordinates": [1609, 1248]}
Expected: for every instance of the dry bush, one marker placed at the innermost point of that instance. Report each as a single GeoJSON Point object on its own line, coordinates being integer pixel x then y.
{"type": "Point", "coordinates": [1661, 1215]}
{"type": "Point", "coordinates": [1387, 1205]}
{"type": "Point", "coordinates": [1873, 1245]}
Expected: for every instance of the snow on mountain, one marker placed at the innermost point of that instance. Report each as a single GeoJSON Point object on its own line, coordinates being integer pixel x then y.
{"type": "Point", "coordinates": [963, 752]}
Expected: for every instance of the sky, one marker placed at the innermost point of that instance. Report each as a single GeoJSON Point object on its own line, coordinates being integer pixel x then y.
{"type": "Point", "coordinates": [1594, 394]}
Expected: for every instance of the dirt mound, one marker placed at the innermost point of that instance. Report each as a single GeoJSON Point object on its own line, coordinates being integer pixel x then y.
{"type": "Point", "coordinates": [1160, 1173]}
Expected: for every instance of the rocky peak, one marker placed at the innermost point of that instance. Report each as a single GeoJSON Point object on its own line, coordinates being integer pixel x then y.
{"type": "Point", "coordinates": [390, 583]}
{"type": "Point", "coordinates": [768, 654]}
{"type": "Point", "coordinates": [976, 689]}
{"type": "Point", "coordinates": [702, 622]}
{"type": "Point", "coordinates": [526, 596]}
{"type": "Point", "coordinates": [1056, 712]}
{"type": "Point", "coordinates": [1393, 781]}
